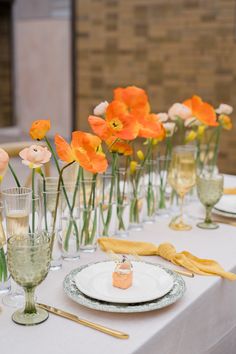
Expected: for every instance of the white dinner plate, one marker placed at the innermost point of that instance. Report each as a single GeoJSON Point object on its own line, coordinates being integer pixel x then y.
{"type": "Point", "coordinates": [227, 204]}
{"type": "Point", "coordinates": [225, 215]}
{"type": "Point", "coordinates": [149, 282]}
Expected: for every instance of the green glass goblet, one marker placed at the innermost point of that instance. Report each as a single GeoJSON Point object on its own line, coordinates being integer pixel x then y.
{"type": "Point", "coordinates": [209, 190]}
{"type": "Point", "coordinates": [28, 261]}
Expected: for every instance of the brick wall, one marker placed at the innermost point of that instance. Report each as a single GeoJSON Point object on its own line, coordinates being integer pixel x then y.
{"type": "Point", "coordinates": [172, 48]}
{"type": "Point", "coordinates": [5, 66]}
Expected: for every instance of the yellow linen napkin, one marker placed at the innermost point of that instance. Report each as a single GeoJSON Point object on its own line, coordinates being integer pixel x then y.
{"type": "Point", "coordinates": [230, 191]}
{"type": "Point", "coordinates": [166, 251]}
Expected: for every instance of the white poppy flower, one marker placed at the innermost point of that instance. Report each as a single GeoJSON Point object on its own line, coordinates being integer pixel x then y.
{"type": "Point", "coordinates": [100, 109]}
{"type": "Point", "coordinates": [179, 110]}
{"type": "Point", "coordinates": [163, 117]}
{"type": "Point", "coordinates": [224, 109]}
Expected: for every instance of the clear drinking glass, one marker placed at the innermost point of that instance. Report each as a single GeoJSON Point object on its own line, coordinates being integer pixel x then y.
{"type": "Point", "coordinates": [28, 261]}
{"type": "Point", "coordinates": [164, 189]}
{"type": "Point", "coordinates": [17, 205]}
{"type": "Point", "coordinates": [5, 283]}
{"type": "Point", "coordinates": [51, 216]}
{"type": "Point", "coordinates": [107, 204]}
{"type": "Point", "coordinates": [88, 212]}
{"type": "Point", "coordinates": [182, 177]}
{"type": "Point", "coordinates": [137, 195]}
{"type": "Point", "coordinates": [151, 189]}
{"type": "Point", "coordinates": [122, 202]}
{"type": "Point", "coordinates": [69, 235]}
{"type": "Point", "coordinates": [209, 190]}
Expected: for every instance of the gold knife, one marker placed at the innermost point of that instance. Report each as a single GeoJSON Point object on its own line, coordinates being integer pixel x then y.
{"type": "Point", "coordinates": [84, 322]}
{"type": "Point", "coordinates": [183, 272]}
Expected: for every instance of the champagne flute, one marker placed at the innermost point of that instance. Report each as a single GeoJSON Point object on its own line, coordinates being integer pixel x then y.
{"type": "Point", "coordinates": [209, 190]}
{"type": "Point", "coordinates": [182, 177]}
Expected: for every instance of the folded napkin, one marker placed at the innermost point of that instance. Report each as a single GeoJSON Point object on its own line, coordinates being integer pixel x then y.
{"type": "Point", "coordinates": [230, 190]}
{"type": "Point", "coordinates": [166, 251]}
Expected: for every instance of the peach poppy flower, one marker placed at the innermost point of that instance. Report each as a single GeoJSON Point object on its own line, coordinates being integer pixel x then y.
{"type": "Point", "coordinates": [151, 127]}
{"type": "Point", "coordinates": [35, 156]}
{"type": "Point", "coordinates": [85, 149]}
{"type": "Point", "coordinates": [39, 129]}
{"type": "Point", "coordinates": [119, 122]}
{"type": "Point", "coordinates": [4, 159]}
{"type": "Point", "coordinates": [202, 111]}
{"type": "Point", "coordinates": [120, 146]}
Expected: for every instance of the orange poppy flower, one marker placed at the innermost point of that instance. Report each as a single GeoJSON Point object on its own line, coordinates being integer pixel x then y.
{"type": "Point", "coordinates": [202, 111]}
{"type": "Point", "coordinates": [84, 149]}
{"type": "Point", "coordinates": [118, 122]}
{"type": "Point", "coordinates": [151, 127]}
{"type": "Point", "coordinates": [39, 129]}
{"type": "Point", "coordinates": [135, 100]}
{"type": "Point", "coordinates": [119, 146]}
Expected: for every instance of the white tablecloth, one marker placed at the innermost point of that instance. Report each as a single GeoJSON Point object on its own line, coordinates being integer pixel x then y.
{"type": "Point", "coordinates": [202, 322]}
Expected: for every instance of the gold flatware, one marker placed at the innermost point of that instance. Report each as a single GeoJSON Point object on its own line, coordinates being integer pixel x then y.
{"type": "Point", "coordinates": [84, 322]}
{"type": "Point", "coordinates": [183, 272]}
{"type": "Point", "coordinates": [225, 222]}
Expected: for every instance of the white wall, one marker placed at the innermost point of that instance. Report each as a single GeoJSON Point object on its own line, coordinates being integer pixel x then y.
{"type": "Point", "coordinates": [42, 63]}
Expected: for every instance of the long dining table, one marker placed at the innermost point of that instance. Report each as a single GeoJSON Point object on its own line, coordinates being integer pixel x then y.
{"type": "Point", "coordinates": [203, 321]}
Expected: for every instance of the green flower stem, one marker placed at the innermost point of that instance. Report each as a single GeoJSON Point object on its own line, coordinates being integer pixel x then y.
{"type": "Point", "coordinates": [53, 154]}
{"type": "Point", "coordinates": [65, 194]}
{"type": "Point", "coordinates": [59, 171]}
{"type": "Point", "coordinates": [14, 175]}
{"type": "Point", "coordinates": [44, 199]}
{"type": "Point", "coordinates": [163, 183]}
{"type": "Point", "coordinates": [3, 266]}
{"type": "Point", "coordinates": [121, 197]}
{"type": "Point", "coordinates": [134, 209]}
{"type": "Point", "coordinates": [76, 188]}
{"type": "Point", "coordinates": [33, 201]}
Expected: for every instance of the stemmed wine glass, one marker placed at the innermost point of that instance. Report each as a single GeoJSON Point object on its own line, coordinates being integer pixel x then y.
{"type": "Point", "coordinates": [209, 190]}
{"type": "Point", "coordinates": [182, 177]}
{"type": "Point", "coordinates": [28, 260]}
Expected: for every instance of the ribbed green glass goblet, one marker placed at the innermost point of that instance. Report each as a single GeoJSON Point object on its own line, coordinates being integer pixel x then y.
{"type": "Point", "coordinates": [209, 190]}
{"type": "Point", "coordinates": [28, 261]}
